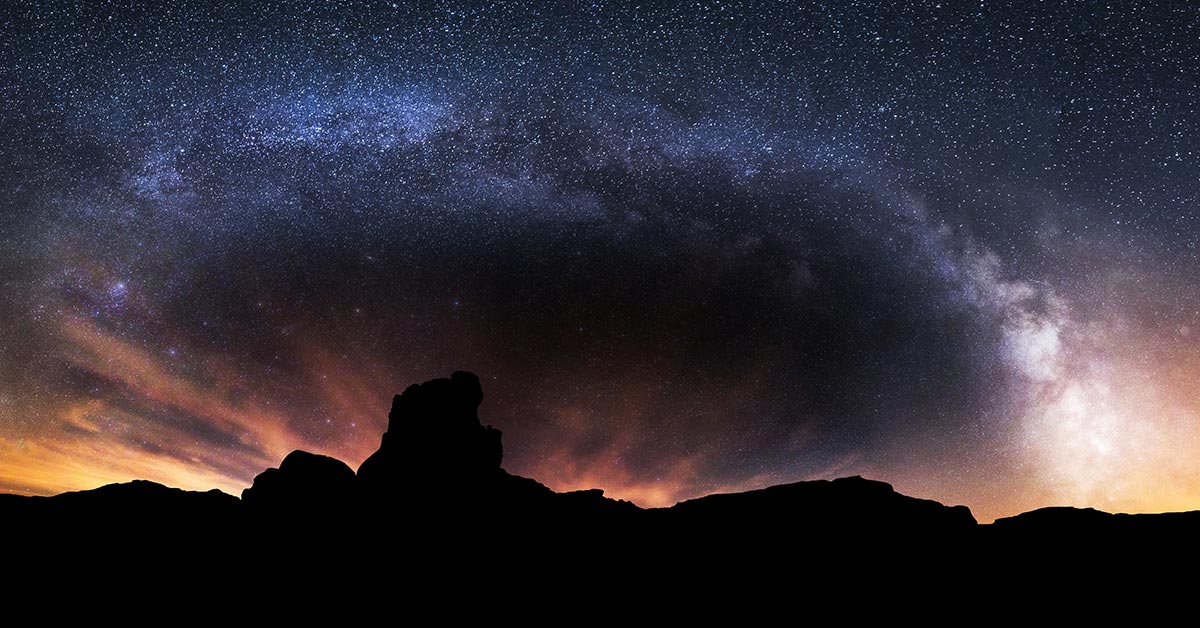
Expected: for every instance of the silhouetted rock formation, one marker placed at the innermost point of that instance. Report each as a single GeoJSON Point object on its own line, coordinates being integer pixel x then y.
{"type": "Point", "coordinates": [434, 500]}
{"type": "Point", "coordinates": [434, 440]}
{"type": "Point", "coordinates": [438, 463]}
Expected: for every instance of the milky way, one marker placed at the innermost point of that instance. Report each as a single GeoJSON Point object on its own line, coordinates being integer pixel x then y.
{"type": "Point", "coordinates": [688, 248]}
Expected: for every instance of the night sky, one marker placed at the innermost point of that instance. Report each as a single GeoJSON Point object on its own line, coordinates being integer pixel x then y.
{"type": "Point", "coordinates": [691, 248]}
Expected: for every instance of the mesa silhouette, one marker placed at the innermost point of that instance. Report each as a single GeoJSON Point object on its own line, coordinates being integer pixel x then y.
{"type": "Point", "coordinates": [435, 494]}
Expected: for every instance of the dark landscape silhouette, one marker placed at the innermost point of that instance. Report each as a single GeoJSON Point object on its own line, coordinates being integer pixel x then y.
{"type": "Point", "coordinates": [435, 499]}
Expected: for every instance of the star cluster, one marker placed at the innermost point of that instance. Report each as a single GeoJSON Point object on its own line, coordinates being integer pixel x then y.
{"type": "Point", "coordinates": [690, 247]}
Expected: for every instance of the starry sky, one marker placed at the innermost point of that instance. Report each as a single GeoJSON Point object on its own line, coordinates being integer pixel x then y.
{"type": "Point", "coordinates": [688, 247]}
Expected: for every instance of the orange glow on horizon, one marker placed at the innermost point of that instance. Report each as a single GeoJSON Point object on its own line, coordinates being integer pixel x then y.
{"type": "Point", "coordinates": [1107, 430]}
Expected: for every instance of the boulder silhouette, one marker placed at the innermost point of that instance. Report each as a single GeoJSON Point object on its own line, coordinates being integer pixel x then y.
{"type": "Point", "coordinates": [303, 480]}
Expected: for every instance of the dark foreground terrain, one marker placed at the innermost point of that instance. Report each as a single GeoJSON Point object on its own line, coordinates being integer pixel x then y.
{"type": "Point", "coordinates": [433, 512]}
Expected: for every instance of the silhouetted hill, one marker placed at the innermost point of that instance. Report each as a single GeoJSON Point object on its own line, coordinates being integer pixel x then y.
{"type": "Point", "coordinates": [1066, 527]}
{"type": "Point", "coordinates": [838, 505]}
{"type": "Point", "coordinates": [435, 499]}
{"type": "Point", "coordinates": [130, 521]}
{"type": "Point", "coordinates": [139, 500]}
